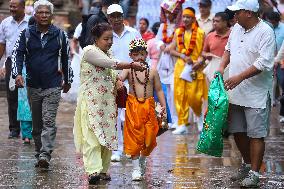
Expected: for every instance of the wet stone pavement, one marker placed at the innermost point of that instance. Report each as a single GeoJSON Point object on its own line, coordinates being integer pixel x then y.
{"type": "Point", "coordinates": [173, 164]}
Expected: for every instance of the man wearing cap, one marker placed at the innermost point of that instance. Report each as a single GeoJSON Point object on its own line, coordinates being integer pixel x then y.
{"type": "Point", "coordinates": [250, 50]}
{"type": "Point", "coordinates": [122, 36]}
{"type": "Point", "coordinates": [205, 19]}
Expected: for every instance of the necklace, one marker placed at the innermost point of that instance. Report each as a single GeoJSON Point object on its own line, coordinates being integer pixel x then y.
{"type": "Point", "coordinates": [167, 39]}
{"type": "Point", "coordinates": [180, 41]}
{"type": "Point", "coordinates": [145, 82]}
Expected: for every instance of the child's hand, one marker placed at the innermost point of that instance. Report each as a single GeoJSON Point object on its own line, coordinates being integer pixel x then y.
{"type": "Point", "coordinates": [138, 66]}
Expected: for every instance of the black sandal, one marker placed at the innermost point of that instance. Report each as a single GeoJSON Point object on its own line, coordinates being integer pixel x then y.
{"type": "Point", "coordinates": [94, 178]}
{"type": "Point", "coordinates": [105, 176]}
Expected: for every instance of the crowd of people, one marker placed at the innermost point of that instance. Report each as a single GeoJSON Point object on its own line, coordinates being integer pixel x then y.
{"type": "Point", "coordinates": [116, 74]}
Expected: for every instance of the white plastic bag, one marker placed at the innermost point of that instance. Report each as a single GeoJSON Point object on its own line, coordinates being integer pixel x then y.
{"type": "Point", "coordinates": [12, 83]}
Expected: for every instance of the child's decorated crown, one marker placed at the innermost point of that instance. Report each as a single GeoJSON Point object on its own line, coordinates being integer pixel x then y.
{"type": "Point", "coordinates": [138, 44]}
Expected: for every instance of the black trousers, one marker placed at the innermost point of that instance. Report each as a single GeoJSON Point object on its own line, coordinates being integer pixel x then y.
{"type": "Point", "coordinates": [12, 98]}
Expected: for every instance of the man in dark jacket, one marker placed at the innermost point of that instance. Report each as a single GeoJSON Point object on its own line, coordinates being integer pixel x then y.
{"type": "Point", "coordinates": [45, 50]}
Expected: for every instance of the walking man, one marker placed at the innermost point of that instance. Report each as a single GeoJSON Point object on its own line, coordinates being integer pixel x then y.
{"type": "Point", "coordinates": [250, 51]}
{"type": "Point", "coordinates": [45, 50]}
{"type": "Point", "coordinates": [10, 29]}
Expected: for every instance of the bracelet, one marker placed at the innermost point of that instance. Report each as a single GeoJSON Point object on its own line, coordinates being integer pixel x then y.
{"type": "Point", "coordinates": [182, 56]}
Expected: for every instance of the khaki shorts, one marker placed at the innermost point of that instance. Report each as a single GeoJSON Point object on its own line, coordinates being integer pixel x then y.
{"type": "Point", "coordinates": [253, 121]}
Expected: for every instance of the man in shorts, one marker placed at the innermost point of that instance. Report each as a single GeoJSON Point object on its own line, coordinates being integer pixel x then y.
{"type": "Point", "coordinates": [250, 50]}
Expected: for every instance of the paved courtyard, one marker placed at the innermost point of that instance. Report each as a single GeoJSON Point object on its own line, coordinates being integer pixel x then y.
{"type": "Point", "coordinates": [174, 163]}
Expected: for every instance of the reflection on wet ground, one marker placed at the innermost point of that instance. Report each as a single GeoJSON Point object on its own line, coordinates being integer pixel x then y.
{"type": "Point", "coordinates": [174, 163]}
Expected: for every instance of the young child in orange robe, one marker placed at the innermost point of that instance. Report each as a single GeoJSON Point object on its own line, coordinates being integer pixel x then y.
{"type": "Point", "coordinates": [141, 124]}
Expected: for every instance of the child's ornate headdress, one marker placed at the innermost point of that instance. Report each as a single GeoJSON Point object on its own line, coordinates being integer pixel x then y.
{"type": "Point", "coordinates": [137, 44]}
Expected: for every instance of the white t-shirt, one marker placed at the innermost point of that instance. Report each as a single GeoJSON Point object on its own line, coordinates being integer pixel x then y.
{"type": "Point", "coordinates": [253, 47]}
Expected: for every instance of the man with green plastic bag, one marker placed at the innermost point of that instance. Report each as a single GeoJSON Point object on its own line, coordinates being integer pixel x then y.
{"type": "Point", "coordinates": [250, 51]}
{"type": "Point", "coordinates": [211, 139]}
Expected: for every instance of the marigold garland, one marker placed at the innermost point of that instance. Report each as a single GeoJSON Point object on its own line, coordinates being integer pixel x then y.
{"type": "Point", "coordinates": [167, 39]}
{"type": "Point", "coordinates": [180, 41]}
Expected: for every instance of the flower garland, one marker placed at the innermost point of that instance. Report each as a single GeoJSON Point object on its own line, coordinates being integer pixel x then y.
{"type": "Point", "coordinates": [180, 41]}
{"type": "Point", "coordinates": [167, 39]}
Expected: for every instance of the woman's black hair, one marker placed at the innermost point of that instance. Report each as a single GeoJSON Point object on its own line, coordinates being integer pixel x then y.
{"type": "Point", "coordinates": [146, 20]}
{"type": "Point", "coordinates": [155, 27]}
{"type": "Point", "coordinates": [98, 30]}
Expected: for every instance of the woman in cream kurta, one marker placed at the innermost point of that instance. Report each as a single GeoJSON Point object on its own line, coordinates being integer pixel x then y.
{"type": "Point", "coordinates": [95, 132]}
{"type": "Point", "coordinates": [95, 116]}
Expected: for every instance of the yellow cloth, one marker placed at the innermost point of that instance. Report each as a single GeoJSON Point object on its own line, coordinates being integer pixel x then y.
{"type": "Point", "coordinates": [189, 94]}
{"type": "Point", "coordinates": [96, 107]}
{"type": "Point", "coordinates": [141, 127]}
{"type": "Point", "coordinates": [96, 157]}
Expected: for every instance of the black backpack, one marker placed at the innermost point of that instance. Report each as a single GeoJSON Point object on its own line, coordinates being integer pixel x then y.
{"type": "Point", "coordinates": [88, 22]}
{"type": "Point", "coordinates": [82, 37]}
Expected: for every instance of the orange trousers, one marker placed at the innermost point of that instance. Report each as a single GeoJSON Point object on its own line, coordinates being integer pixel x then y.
{"type": "Point", "coordinates": [141, 127]}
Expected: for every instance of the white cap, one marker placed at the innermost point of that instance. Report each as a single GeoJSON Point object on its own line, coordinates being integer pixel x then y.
{"type": "Point", "coordinates": [250, 5]}
{"type": "Point", "coordinates": [114, 8]}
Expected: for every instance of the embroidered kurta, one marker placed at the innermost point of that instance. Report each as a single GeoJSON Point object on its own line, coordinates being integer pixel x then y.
{"type": "Point", "coordinates": [189, 94]}
{"type": "Point", "coordinates": [97, 90]}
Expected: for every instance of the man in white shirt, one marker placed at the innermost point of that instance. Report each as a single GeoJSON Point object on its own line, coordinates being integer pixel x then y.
{"type": "Point", "coordinates": [250, 51]}
{"type": "Point", "coordinates": [205, 19]}
{"type": "Point", "coordinates": [10, 29]}
{"type": "Point", "coordinates": [122, 35]}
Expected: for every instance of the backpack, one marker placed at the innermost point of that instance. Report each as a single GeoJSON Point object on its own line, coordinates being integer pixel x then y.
{"type": "Point", "coordinates": [59, 39]}
{"type": "Point", "coordinates": [82, 37]}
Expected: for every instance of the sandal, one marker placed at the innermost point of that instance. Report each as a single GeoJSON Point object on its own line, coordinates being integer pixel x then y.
{"type": "Point", "coordinates": [105, 176]}
{"type": "Point", "coordinates": [94, 178]}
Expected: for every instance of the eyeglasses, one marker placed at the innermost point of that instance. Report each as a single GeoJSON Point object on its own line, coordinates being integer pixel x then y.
{"type": "Point", "coordinates": [43, 13]}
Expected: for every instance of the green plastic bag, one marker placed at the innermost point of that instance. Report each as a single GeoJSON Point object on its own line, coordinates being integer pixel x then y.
{"type": "Point", "coordinates": [215, 121]}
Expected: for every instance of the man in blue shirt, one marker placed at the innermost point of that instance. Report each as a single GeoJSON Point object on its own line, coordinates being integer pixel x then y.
{"type": "Point", "coordinates": [45, 50]}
